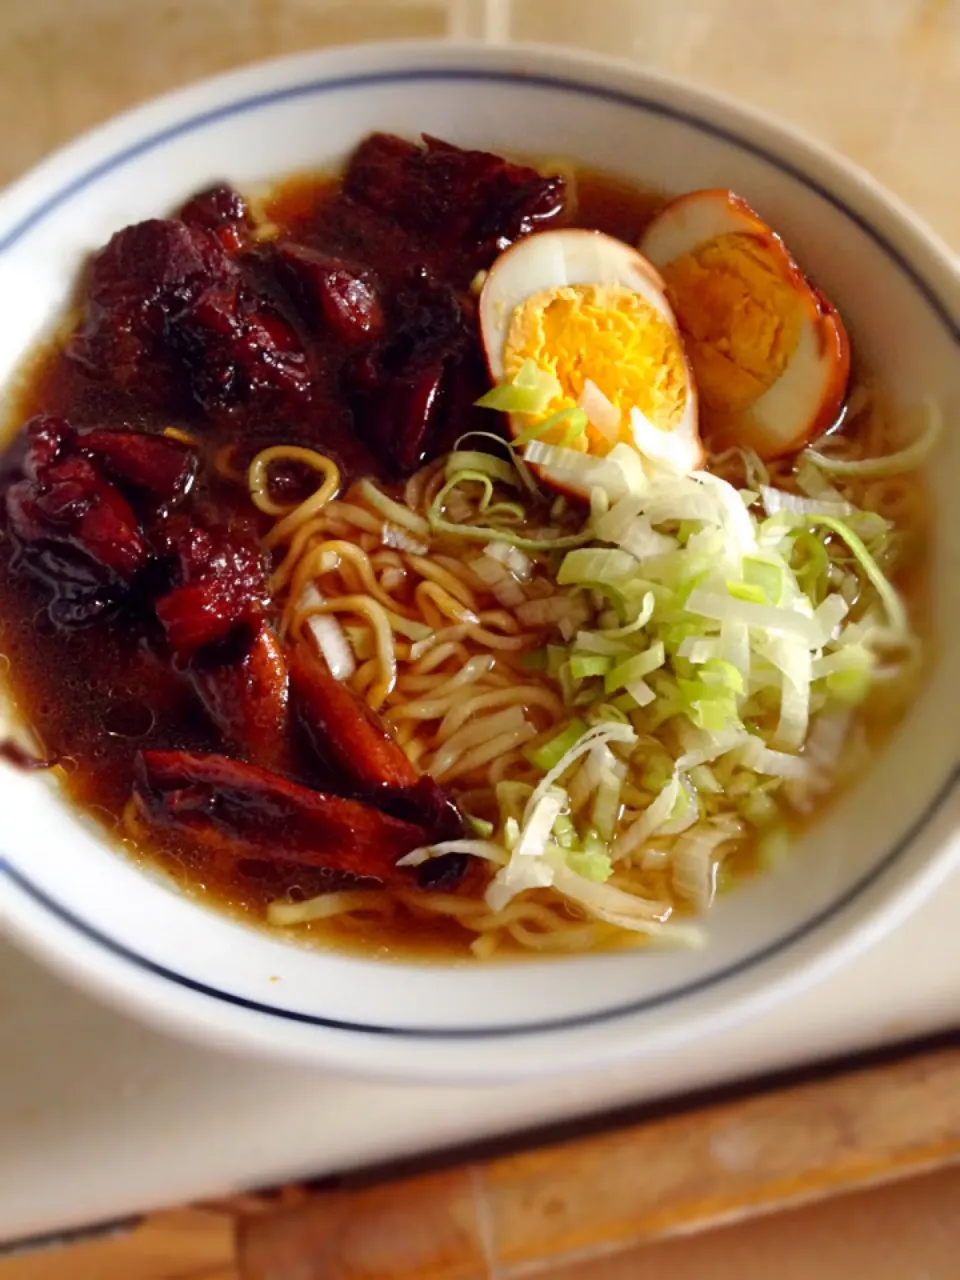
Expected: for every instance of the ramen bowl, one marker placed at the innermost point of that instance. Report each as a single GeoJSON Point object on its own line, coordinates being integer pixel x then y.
{"type": "Point", "coordinates": [122, 932]}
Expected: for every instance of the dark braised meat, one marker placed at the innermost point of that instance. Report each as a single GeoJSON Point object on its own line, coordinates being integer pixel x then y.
{"type": "Point", "coordinates": [404, 390]}
{"type": "Point", "coordinates": [266, 816]}
{"type": "Point", "coordinates": [170, 313]}
{"type": "Point", "coordinates": [80, 509]}
{"type": "Point", "coordinates": [342, 727]}
{"type": "Point", "coordinates": [162, 468]}
{"type": "Point", "coordinates": [221, 584]}
{"type": "Point", "coordinates": [239, 351]}
{"type": "Point", "coordinates": [145, 274]}
{"type": "Point", "coordinates": [443, 874]}
{"type": "Point", "coordinates": [338, 298]}
{"type": "Point", "coordinates": [223, 211]}
{"type": "Point", "coordinates": [471, 203]}
{"type": "Point", "coordinates": [77, 532]}
{"type": "Point", "coordinates": [244, 687]}
{"type": "Point", "coordinates": [353, 332]}
{"type": "Point", "coordinates": [346, 732]}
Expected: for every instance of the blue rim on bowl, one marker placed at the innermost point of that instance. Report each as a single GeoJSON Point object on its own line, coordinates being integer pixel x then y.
{"type": "Point", "coordinates": [569, 84]}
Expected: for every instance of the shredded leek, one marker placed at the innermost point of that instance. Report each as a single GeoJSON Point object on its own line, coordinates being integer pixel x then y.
{"type": "Point", "coordinates": [747, 591]}
{"type": "Point", "coordinates": [747, 619]}
{"type": "Point", "coordinates": [486, 463]}
{"type": "Point", "coordinates": [565, 832]}
{"type": "Point", "coordinates": [893, 463]}
{"type": "Point", "coordinates": [594, 866]}
{"type": "Point", "coordinates": [480, 826]}
{"type": "Point", "coordinates": [529, 392]}
{"type": "Point", "coordinates": [896, 612]}
{"type": "Point", "coordinates": [549, 753]}
{"type": "Point", "coordinates": [573, 421]}
{"type": "Point", "coordinates": [483, 533]}
{"type": "Point", "coordinates": [396, 512]}
{"type": "Point", "coordinates": [584, 665]}
{"type": "Point", "coordinates": [769, 576]}
{"type": "Point", "coordinates": [634, 668]}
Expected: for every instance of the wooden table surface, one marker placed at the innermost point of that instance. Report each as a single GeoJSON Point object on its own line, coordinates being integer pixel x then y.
{"type": "Point", "coordinates": [880, 81]}
{"type": "Point", "coordinates": [619, 1202]}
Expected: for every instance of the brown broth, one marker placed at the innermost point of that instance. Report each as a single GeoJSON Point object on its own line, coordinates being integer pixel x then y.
{"type": "Point", "coordinates": [94, 696]}
{"type": "Point", "coordinates": [82, 692]}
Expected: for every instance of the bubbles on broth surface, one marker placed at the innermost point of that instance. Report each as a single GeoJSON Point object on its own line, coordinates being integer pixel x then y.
{"type": "Point", "coordinates": [127, 717]}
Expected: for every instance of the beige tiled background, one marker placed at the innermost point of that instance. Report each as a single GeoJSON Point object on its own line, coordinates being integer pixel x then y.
{"type": "Point", "coordinates": [878, 79]}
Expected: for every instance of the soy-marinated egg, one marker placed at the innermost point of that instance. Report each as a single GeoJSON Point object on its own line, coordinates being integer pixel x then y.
{"type": "Point", "coordinates": [592, 313]}
{"type": "Point", "coordinates": [769, 352]}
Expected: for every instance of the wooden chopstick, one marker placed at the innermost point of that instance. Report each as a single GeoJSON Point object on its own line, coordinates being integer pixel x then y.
{"type": "Point", "coordinates": [524, 1214]}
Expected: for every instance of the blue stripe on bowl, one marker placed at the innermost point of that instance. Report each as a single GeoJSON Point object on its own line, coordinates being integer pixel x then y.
{"type": "Point", "coordinates": [479, 1033]}
{"type": "Point", "coordinates": [317, 88]}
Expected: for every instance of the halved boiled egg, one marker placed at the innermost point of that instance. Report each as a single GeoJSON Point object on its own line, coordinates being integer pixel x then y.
{"type": "Point", "coordinates": [769, 352]}
{"type": "Point", "coordinates": [591, 316]}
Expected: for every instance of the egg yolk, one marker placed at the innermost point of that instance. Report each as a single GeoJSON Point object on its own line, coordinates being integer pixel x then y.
{"type": "Point", "coordinates": [740, 307]}
{"type": "Point", "coordinates": [611, 336]}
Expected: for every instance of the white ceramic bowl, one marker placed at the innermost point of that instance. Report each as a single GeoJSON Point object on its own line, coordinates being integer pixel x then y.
{"type": "Point", "coordinates": [69, 897]}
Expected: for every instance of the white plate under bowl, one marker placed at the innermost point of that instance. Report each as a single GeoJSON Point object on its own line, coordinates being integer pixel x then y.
{"type": "Point", "coordinates": [69, 897]}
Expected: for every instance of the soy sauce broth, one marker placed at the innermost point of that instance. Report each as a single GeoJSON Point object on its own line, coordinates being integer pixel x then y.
{"type": "Point", "coordinates": [96, 695]}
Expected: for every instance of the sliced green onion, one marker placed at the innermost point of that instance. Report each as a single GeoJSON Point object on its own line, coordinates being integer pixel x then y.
{"type": "Point", "coordinates": [512, 798]}
{"type": "Point", "coordinates": [394, 511]}
{"type": "Point", "coordinates": [479, 826]}
{"type": "Point", "coordinates": [647, 605]}
{"type": "Point", "coordinates": [486, 463]}
{"type": "Point", "coordinates": [606, 802]}
{"type": "Point", "coordinates": [548, 754]}
{"type": "Point", "coordinates": [564, 832]}
{"type": "Point", "coordinates": [624, 703]}
{"type": "Point", "coordinates": [723, 674]}
{"type": "Point", "coordinates": [593, 842]}
{"type": "Point", "coordinates": [813, 575]}
{"type": "Point", "coordinates": [896, 612]}
{"type": "Point", "coordinates": [438, 523]}
{"type": "Point", "coordinates": [575, 421]}
{"type": "Point", "coordinates": [851, 685]}
{"type": "Point", "coordinates": [465, 477]}
{"type": "Point", "coordinates": [484, 533]}
{"type": "Point", "coordinates": [612, 639]}
{"type": "Point", "coordinates": [595, 566]}
{"type": "Point", "coordinates": [530, 391]}
{"type": "Point", "coordinates": [604, 711]}
{"type": "Point", "coordinates": [594, 866]}
{"type": "Point", "coordinates": [523, 471]}
{"type": "Point", "coordinates": [747, 591]}
{"type": "Point", "coordinates": [710, 706]}
{"type": "Point", "coordinates": [634, 668]}
{"type": "Point", "coordinates": [583, 665]}
{"type": "Point", "coordinates": [904, 460]}
{"type": "Point", "coordinates": [531, 375]}
{"type": "Point", "coordinates": [511, 511]}
{"type": "Point", "coordinates": [766, 575]}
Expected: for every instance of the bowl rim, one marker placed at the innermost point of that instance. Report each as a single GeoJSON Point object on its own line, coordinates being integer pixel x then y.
{"type": "Point", "coordinates": [103, 150]}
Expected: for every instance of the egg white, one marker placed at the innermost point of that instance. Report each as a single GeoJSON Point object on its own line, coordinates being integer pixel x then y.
{"type": "Point", "coordinates": [555, 259]}
{"type": "Point", "coordinates": [805, 398]}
